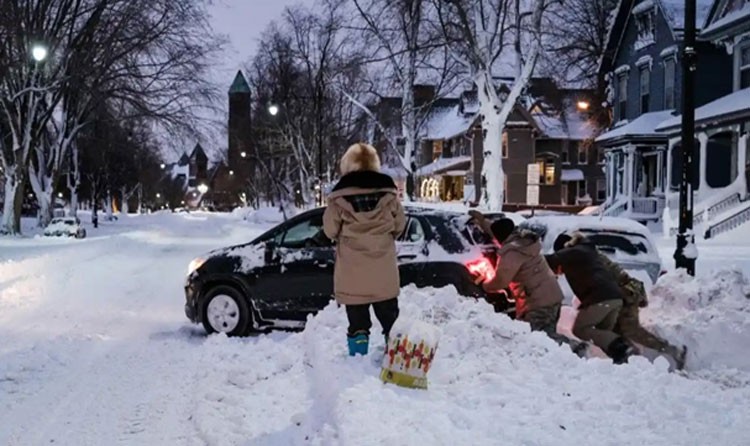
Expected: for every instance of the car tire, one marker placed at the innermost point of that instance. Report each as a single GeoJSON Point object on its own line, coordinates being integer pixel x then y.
{"type": "Point", "coordinates": [225, 310]}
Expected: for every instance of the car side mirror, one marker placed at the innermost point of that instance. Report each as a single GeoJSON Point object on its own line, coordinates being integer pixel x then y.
{"type": "Point", "coordinates": [269, 251]}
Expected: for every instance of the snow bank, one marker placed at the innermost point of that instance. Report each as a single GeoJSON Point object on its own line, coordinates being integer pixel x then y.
{"type": "Point", "coordinates": [492, 382]}
{"type": "Point", "coordinates": [711, 315]}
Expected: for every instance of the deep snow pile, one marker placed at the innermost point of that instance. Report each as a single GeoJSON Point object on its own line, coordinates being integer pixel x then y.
{"type": "Point", "coordinates": [709, 314]}
{"type": "Point", "coordinates": [492, 382]}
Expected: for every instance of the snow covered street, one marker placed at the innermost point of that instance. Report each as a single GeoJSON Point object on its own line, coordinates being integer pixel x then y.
{"type": "Point", "coordinates": [96, 350]}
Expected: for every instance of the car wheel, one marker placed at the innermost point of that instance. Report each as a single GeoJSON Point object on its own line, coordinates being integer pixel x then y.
{"type": "Point", "coordinates": [225, 310]}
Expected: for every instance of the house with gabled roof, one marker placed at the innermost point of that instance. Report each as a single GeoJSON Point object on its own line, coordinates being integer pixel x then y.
{"type": "Point", "coordinates": [721, 179]}
{"type": "Point", "coordinates": [645, 90]}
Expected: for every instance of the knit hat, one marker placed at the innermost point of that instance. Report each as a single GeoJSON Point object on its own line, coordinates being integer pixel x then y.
{"type": "Point", "coordinates": [502, 228]}
{"type": "Point", "coordinates": [560, 241]}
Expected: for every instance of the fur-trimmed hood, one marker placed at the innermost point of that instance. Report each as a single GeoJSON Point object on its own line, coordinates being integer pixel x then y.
{"type": "Point", "coordinates": [360, 157]}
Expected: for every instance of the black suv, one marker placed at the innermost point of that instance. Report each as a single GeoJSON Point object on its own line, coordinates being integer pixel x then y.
{"type": "Point", "coordinates": [278, 279]}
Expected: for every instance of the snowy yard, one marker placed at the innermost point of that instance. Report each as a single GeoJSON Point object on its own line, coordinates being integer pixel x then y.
{"type": "Point", "coordinates": [96, 350]}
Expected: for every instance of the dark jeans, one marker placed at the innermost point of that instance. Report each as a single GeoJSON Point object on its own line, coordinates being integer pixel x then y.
{"type": "Point", "coordinates": [359, 316]}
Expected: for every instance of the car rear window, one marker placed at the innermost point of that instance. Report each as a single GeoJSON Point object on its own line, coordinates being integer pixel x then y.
{"type": "Point", "coordinates": [611, 242]}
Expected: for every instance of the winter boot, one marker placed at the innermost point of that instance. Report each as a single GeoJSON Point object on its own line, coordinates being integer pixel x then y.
{"type": "Point", "coordinates": [620, 350]}
{"type": "Point", "coordinates": [581, 349]}
{"type": "Point", "coordinates": [358, 343]}
{"type": "Point", "coordinates": [680, 356]}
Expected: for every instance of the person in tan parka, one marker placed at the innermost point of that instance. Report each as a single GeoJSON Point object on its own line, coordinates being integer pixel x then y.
{"type": "Point", "coordinates": [364, 216]}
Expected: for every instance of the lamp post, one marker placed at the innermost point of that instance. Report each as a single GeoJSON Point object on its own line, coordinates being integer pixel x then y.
{"type": "Point", "coordinates": [686, 252]}
{"type": "Point", "coordinates": [39, 52]}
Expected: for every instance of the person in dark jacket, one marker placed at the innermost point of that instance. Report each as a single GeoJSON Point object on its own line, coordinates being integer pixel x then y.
{"type": "Point", "coordinates": [522, 267]}
{"type": "Point", "coordinates": [597, 289]}
{"type": "Point", "coordinates": [364, 216]}
{"type": "Point", "coordinates": [628, 322]}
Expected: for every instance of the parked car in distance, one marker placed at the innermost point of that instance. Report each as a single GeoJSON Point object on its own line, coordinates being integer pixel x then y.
{"type": "Point", "coordinates": [626, 242]}
{"type": "Point", "coordinates": [278, 279]}
{"type": "Point", "coordinates": [65, 227]}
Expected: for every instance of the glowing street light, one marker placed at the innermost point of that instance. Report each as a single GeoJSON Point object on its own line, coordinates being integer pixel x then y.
{"type": "Point", "coordinates": [202, 188]}
{"type": "Point", "coordinates": [39, 53]}
{"type": "Point", "coordinates": [158, 195]}
{"type": "Point", "coordinates": [162, 165]}
{"type": "Point", "coordinates": [59, 195]}
{"type": "Point", "coordinates": [243, 154]}
{"type": "Point", "coordinates": [273, 109]}
{"type": "Point", "coordinates": [583, 105]}
{"type": "Point", "coordinates": [231, 172]}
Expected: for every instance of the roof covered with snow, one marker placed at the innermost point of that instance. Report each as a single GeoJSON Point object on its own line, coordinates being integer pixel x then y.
{"type": "Point", "coordinates": [642, 127]}
{"type": "Point", "coordinates": [447, 123]}
{"type": "Point", "coordinates": [674, 10]}
{"type": "Point", "coordinates": [734, 18]}
{"type": "Point", "coordinates": [732, 106]}
{"type": "Point", "coordinates": [567, 125]}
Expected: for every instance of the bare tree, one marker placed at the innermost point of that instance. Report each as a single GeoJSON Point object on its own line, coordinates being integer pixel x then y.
{"type": "Point", "coordinates": [146, 58]}
{"type": "Point", "coordinates": [575, 45]}
{"type": "Point", "coordinates": [482, 34]}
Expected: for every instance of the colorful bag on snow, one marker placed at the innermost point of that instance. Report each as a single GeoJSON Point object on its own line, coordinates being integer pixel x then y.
{"type": "Point", "coordinates": [409, 353]}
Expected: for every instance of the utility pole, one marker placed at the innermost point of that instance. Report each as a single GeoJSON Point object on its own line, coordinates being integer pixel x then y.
{"type": "Point", "coordinates": [686, 252]}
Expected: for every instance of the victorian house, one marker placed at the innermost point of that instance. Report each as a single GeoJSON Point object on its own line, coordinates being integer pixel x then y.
{"type": "Point", "coordinates": [645, 91]}
{"type": "Point", "coordinates": [722, 162]}
{"type": "Point", "coordinates": [549, 126]}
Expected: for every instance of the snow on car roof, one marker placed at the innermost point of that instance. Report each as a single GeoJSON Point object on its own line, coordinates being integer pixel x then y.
{"type": "Point", "coordinates": [572, 223]}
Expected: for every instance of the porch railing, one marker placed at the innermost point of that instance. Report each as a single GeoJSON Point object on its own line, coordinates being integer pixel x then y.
{"type": "Point", "coordinates": [723, 205]}
{"type": "Point", "coordinates": [650, 206]}
{"type": "Point", "coordinates": [741, 217]}
{"type": "Point", "coordinates": [617, 209]}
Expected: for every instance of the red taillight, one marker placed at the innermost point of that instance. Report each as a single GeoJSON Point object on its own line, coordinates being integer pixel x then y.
{"type": "Point", "coordinates": [482, 268]}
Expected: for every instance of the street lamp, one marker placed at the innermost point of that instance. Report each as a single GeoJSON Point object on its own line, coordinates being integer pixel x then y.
{"type": "Point", "coordinates": [162, 165]}
{"type": "Point", "coordinates": [39, 52]}
{"type": "Point", "coordinates": [158, 195]}
{"type": "Point", "coordinates": [583, 105]}
{"type": "Point", "coordinates": [231, 172]}
{"type": "Point", "coordinates": [686, 253]}
{"type": "Point", "coordinates": [273, 109]}
{"type": "Point", "coordinates": [202, 188]}
{"type": "Point", "coordinates": [59, 195]}
{"type": "Point", "coordinates": [243, 154]}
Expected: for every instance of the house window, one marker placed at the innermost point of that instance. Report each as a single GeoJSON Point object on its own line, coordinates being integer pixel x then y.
{"type": "Point", "coordinates": [646, 35]}
{"type": "Point", "coordinates": [622, 96]}
{"type": "Point", "coordinates": [546, 171]}
{"type": "Point", "coordinates": [601, 189]}
{"type": "Point", "coordinates": [582, 188]}
{"type": "Point", "coordinates": [583, 153]}
{"type": "Point", "coordinates": [669, 81]}
{"type": "Point", "coordinates": [743, 74]}
{"type": "Point", "coordinates": [437, 150]}
{"type": "Point", "coordinates": [565, 155]}
{"type": "Point", "coordinates": [600, 158]}
{"type": "Point", "coordinates": [645, 88]}
{"type": "Point", "coordinates": [505, 144]}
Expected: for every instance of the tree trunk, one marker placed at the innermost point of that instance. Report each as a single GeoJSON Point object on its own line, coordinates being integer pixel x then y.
{"type": "Point", "coordinates": [11, 221]}
{"type": "Point", "coordinates": [493, 176]}
{"type": "Point", "coordinates": [74, 183]}
{"type": "Point", "coordinates": [108, 206]}
{"type": "Point", "coordinates": [41, 184]}
{"type": "Point", "coordinates": [124, 208]}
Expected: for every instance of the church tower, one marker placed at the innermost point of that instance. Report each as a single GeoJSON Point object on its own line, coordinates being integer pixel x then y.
{"type": "Point", "coordinates": [238, 155]}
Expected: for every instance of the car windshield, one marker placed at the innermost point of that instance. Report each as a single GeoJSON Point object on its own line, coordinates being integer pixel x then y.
{"type": "Point", "coordinates": [70, 222]}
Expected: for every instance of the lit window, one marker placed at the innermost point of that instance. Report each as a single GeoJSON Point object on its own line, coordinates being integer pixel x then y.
{"type": "Point", "coordinates": [546, 171]}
